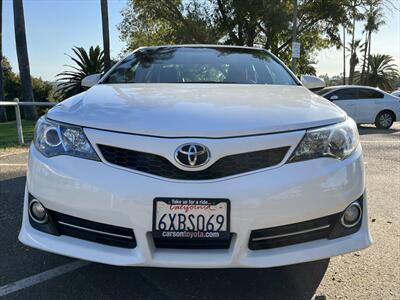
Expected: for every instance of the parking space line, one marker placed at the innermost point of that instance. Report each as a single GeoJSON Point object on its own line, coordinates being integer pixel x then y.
{"type": "Point", "coordinates": [13, 165]}
{"type": "Point", "coordinates": [13, 153]}
{"type": "Point", "coordinates": [41, 277]}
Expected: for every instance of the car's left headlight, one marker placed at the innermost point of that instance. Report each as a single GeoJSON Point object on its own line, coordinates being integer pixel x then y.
{"type": "Point", "coordinates": [336, 141]}
{"type": "Point", "coordinates": [53, 138]}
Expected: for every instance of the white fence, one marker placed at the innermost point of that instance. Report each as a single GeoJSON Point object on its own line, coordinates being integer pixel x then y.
{"type": "Point", "coordinates": [16, 103]}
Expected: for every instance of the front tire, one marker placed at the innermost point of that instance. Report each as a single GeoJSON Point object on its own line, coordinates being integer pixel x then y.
{"type": "Point", "coordinates": [384, 120]}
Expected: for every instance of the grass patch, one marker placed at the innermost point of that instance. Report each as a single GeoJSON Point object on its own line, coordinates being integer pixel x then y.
{"type": "Point", "coordinates": [9, 135]}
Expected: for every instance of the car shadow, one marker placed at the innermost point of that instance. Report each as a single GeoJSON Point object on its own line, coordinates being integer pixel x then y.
{"type": "Point", "coordinates": [290, 282]}
{"type": "Point", "coordinates": [364, 130]}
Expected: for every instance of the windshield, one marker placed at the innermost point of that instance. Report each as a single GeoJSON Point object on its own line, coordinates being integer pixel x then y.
{"type": "Point", "coordinates": [200, 65]}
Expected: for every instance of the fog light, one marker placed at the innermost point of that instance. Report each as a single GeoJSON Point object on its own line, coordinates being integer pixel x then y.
{"type": "Point", "coordinates": [352, 215]}
{"type": "Point", "coordinates": [38, 212]}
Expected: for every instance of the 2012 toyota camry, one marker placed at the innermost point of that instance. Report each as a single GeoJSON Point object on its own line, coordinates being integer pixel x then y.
{"type": "Point", "coordinates": [198, 157]}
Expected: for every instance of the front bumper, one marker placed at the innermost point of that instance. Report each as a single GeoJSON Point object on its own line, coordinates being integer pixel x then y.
{"type": "Point", "coordinates": [289, 194]}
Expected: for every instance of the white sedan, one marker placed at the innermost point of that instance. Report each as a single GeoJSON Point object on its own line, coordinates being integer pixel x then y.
{"type": "Point", "coordinates": [196, 157]}
{"type": "Point", "coordinates": [396, 93]}
{"type": "Point", "coordinates": [366, 105]}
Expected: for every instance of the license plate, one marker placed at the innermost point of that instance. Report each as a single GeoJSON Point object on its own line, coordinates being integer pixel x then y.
{"type": "Point", "coordinates": [191, 219]}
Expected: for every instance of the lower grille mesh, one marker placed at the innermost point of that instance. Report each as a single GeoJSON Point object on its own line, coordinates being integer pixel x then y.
{"type": "Point", "coordinates": [226, 166]}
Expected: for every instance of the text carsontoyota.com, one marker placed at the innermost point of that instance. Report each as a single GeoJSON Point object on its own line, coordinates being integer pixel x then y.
{"type": "Point", "coordinates": [190, 234]}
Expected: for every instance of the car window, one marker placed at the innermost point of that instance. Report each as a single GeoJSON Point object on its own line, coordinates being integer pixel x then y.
{"type": "Point", "coordinates": [343, 94]}
{"type": "Point", "coordinates": [325, 90]}
{"type": "Point", "coordinates": [369, 94]}
{"type": "Point", "coordinates": [200, 65]}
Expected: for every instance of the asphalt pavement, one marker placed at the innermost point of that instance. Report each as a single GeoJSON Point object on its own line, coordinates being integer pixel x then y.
{"type": "Point", "coordinates": [374, 273]}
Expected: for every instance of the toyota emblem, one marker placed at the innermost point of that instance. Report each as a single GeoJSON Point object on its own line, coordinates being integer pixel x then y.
{"type": "Point", "coordinates": [192, 155]}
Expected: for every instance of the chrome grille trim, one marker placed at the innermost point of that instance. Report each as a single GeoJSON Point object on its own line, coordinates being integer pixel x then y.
{"type": "Point", "coordinates": [290, 234]}
{"type": "Point", "coordinates": [96, 231]}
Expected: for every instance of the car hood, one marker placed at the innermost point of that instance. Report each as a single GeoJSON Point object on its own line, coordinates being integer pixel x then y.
{"type": "Point", "coordinates": [197, 110]}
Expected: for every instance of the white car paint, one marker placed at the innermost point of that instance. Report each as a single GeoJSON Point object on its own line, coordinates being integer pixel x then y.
{"type": "Point", "coordinates": [364, 110]}
{"type": "Point", "coordinates": [312, 82]}
{"type": "Point", "coordinates": [286, 194]}
{"type": "Point", "coordinates": [396, 93]}
{"type": "Point", "coordinates": [201, 110]}
{"type": "Point", "coordinates": [228, 119]}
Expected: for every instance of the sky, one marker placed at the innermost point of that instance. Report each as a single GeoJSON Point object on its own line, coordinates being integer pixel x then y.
{"type": "Point", "coordinates": [53, 27]}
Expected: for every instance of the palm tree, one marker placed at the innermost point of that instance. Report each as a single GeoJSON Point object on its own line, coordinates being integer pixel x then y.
{"type": "Point", "coordinates": [354, 15]}
{"type": "Point", "coordinates": [86, 63]}
{"type": "Point", "coordinates": [344, 54]}
{"type": "Point", "coordinates": [23, 59]}
{"type": "Point", "coordinates": [374, 21]}
{"type": "Point", "coordinates": [106, 35]}
{"type": "Point", "coordinates": [364, 59]}
{"type": "Point", "coordinates": [353, 47]}
{"type": "Point", "coordinates": [3, 111]}
{"type": "Point", "coordinates": [382, 71]}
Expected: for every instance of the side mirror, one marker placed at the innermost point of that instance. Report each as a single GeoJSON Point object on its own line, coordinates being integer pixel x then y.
{"type": "Point", "coordinates": [90, 80]}
{"type": "Point", "coordinates": [333, 97]}
{"type": "Point", "coordinates": [313, 83]}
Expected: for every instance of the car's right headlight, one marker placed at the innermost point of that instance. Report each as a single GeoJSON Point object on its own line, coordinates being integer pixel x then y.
{"type": "Point", "coordinates": [336, 141]}
{"type": "Point", "coordinates": [53, 138]}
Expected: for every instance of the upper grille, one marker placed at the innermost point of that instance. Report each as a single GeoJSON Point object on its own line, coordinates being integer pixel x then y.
{"type": "Point", "coordinates": [225, 166]}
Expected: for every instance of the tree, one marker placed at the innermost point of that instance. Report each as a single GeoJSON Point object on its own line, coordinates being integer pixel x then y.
{"type": "Point", "coordinates": [42, 90]}
{"type": "Point", "coordinates": [382, 71]}
{"type": "Point", "coordinates": [344, 54]}
{"type": "Point", "coordinates": [3, 111]}
{"type": "Point", "coordinates": [106, 35]}
{"type": "Point", "coordinates": [374, 21]}
{"type": "Point", "coordinates": [240, 22]}
{"type": "Point", "coordinates": [151, 22]}
{"type": "Point", "coordinates": [353, 47]}
{"type": "Point", "coordinates": [12, 86]}
{"type": "Point", "coordinates": [355, 15]}
{"type": "Point", "coordinates": [87, 63]}
{"type": "Point", "coordinates": [23, 60]}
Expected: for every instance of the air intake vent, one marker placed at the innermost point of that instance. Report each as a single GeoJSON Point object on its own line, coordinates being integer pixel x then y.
{"type": "Point", "coordinates": [93, 231]}
{"type": "Point", "coordinates": [292, 234]}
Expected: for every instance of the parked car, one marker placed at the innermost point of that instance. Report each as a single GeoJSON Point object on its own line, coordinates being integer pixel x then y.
{"type": "Point", "coordinates": [366, 105]}
{"type": "Point", "coordinates": [196, 157]}
{"type": "Point", "coordinates": [396, 93]}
